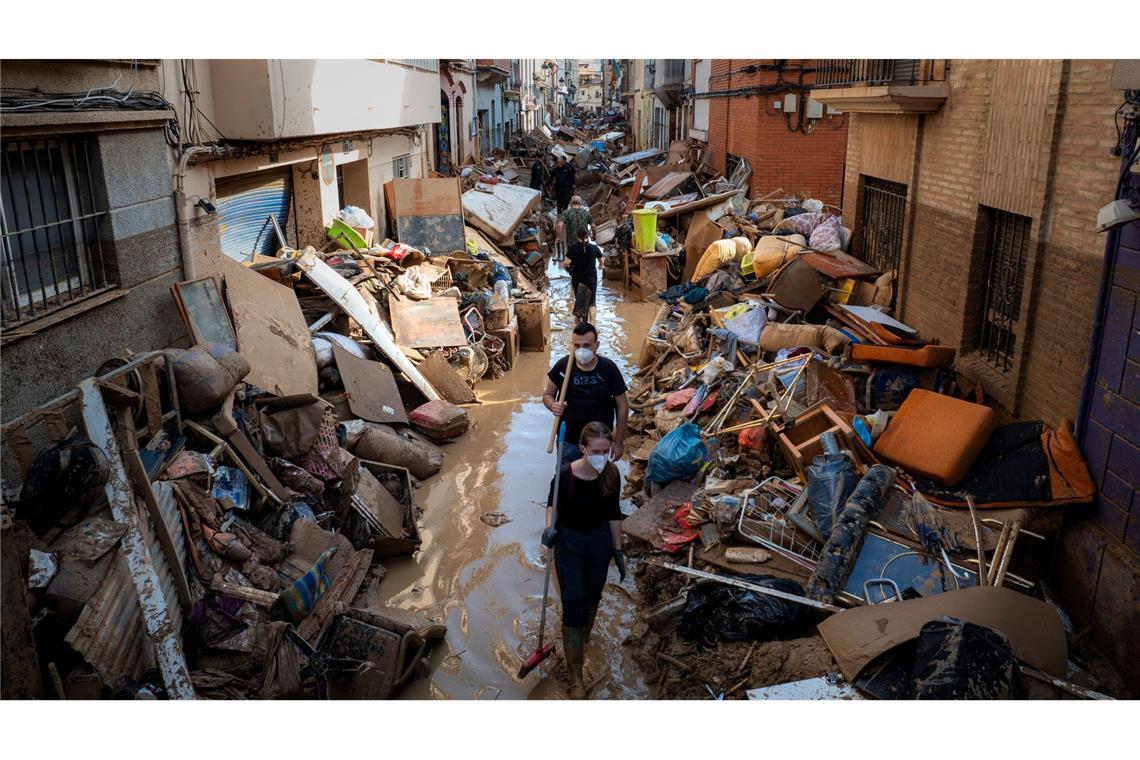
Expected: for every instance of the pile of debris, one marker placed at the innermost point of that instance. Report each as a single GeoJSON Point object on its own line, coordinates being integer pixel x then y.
{"type": "Point", "coordinates": [210, 522]}
{"type": "Point", "coordinates": [821, 459]}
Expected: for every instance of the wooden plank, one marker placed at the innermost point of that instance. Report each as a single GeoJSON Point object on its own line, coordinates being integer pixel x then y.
{"type": "Point", "coordinates": [433, 323]}
{"type": "Point", "coordinates": [271, 332]}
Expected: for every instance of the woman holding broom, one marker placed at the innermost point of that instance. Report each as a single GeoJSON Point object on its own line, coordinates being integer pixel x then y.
{"type": "Point", "coordinates": [583, 527]}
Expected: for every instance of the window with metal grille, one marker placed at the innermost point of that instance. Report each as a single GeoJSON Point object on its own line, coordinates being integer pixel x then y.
{"type": "Point", "coordinates": [51, 217]}
{"type": "Point", "coordinates": [400, 166]}
{"type": "Point", "coordinates": [1004, 244]}
{"type": "Point", "coordinates": [879, 234]}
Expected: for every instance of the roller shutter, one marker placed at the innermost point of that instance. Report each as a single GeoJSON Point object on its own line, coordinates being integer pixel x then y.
{"type": "Point", "coordinates": [245, 202]}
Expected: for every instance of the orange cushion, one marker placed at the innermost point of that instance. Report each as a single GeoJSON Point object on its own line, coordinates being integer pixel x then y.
{"type": "Point", "coordinates": [927, 356]}
{"type": "Point", "coordinates": [936, 436]}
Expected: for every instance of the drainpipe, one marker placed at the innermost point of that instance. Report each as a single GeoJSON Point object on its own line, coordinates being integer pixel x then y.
{"type": "Point", "coordinates": [189, 271]}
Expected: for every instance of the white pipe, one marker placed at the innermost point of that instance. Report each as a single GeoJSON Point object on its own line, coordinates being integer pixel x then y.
{"type": "Point", "coordinates": [189, 271]}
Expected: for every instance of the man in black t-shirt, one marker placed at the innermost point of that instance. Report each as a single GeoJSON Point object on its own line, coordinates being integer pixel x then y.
{"type": "Point", "coordinates": [597, 393]}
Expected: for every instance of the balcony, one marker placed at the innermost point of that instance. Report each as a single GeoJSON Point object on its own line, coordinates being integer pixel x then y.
{"type": "Point", "coordinates": [277, 99]}
{"type": "Point", "coordinates": [492, 69]}
{"type": "Point", "coordinates": [668, 76]}
{"type": "Point", "coordinates": [881, 85]}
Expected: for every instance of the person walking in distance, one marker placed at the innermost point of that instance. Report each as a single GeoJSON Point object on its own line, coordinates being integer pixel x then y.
{"type": "Point", "coordinates": [564, 178]}
{"type": "Point", "coordinates": [582, 262]}
{"type": "Point", "coordinates": [586, 538]}
{"type": "Point", "coordinates": [597, 392]}
{"type": "Point", "coordinates": [574, 218]}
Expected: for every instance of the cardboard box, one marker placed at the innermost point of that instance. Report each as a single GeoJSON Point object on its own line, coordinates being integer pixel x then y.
{"type": "Point", "coordinates": [510, 337]}
{"type": "Point", "coordinates": [398, 481]}
{"type": "Point", "coordinates": [534, 323]}
{"type": "Point", "coordinates": [499, 319]}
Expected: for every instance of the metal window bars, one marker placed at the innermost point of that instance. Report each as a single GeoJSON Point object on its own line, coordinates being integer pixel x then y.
{"type": "Point", "coordinates": [881, 223]}
{"type": "Point", "coordinates": [1004, 251]}
{"type": "Point", "coordinates": [764, 520]}
{"type": "Point", "coordinates": [50, 223]}
{"type": "Point", "coordinates": [851, 72]}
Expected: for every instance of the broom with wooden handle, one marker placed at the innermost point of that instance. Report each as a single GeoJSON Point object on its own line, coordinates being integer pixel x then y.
{"type": "Point", "coordinates": [562, 398]}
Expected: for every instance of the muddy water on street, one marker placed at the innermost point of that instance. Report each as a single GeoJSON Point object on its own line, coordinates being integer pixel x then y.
{"type": "Point", "coordinates": [486, 582]}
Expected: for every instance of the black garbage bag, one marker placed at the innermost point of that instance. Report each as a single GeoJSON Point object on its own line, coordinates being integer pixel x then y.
{"type": "Point", "coordinates": [959, 660]}
{"type": "Point", "coordinates": [831, 479]}
{"type": "Point", "coordinates": [715, 612]}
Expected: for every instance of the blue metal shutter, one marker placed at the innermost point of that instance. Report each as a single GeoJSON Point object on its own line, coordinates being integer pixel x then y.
{"type": "Point", "coordinates": [244, 204]}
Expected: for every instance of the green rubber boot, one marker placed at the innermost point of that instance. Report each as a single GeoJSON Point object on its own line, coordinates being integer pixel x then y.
{"type": "Point", "coordinates": [573, 645]}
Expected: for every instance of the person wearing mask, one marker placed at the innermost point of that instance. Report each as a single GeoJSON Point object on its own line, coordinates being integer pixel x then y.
{"type": "Point", "coordinates": [582, 262]}
{"type": "Point", "coordinates": [563, 177]}
{"type": "Point", "coordinates": [597, 392]}
{"type": "Point", "coordinates": [585, 539]}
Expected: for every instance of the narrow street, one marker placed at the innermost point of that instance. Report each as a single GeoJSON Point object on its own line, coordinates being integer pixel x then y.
{"type": "Point", "coordinates": [485, 582]}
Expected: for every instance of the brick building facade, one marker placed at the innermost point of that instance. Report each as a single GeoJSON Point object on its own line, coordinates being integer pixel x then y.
{"type": "Point", "coordinates": [998, 168]}
{"type": "Point", "coordinates": [747, 117]}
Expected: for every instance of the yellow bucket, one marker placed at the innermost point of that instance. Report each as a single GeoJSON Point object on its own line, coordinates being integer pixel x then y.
{"type": "Point", "coordinates": [645, 230]}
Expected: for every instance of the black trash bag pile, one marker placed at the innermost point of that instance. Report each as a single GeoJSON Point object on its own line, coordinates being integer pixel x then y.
{"type": "Point", "coordinates": [717, 613]}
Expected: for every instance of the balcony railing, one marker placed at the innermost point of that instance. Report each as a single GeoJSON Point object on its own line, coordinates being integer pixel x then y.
{"type": "Point", "coordinates": [875, 72]}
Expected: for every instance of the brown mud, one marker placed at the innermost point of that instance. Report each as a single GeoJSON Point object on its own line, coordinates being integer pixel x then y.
{"type": "Point", "coordinates": [485, 582]}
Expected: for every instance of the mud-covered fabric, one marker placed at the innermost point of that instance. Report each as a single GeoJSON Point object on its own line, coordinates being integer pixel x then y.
{"type": "Point", "coordinates": [582, 561]}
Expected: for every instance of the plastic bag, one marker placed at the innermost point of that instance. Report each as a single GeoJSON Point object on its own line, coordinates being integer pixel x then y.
{"type": "Point", "coordinates": [354, 216]}
{"type": "Point", "coordinates": [678, 455]}
{"type": "Point", "coordinates": [831, 479]}
{"type": "Point", "coordinates": [715, 612]}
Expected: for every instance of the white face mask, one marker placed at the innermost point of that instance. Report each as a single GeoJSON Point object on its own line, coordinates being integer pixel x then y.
{"type": "Point", "coordinates": [583, 355]}
{"type": "Point", "coordinates": [597, 461]}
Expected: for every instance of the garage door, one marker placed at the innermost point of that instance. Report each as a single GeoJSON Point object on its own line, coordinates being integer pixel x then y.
{"type": "Point", "coordinates": [245, 203]}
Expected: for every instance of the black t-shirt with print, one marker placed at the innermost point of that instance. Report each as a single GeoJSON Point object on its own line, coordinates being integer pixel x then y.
{"type": "Point", "coordinates": [590, 397]}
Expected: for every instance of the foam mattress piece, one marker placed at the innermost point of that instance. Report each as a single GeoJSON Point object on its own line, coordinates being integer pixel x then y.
{"type": "Point", "coordinates": [926, 356]}
{"type": "Point", "coordinates": [936, 436]}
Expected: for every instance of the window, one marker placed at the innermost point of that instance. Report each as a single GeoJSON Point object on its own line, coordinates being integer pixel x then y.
{"type": "Point", "coordinates": [51, 214]}
{"type": "Point", "coordinates": [1004, 242]}
{"type": "Point", "coordinates": [400, 167]}
{"type": "Point", "coordinates": [879, 234]}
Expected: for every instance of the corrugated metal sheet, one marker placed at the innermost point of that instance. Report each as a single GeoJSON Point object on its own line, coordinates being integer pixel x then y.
{"type": "Point", "coordinates": [244, 205]}
{"type": "Point", "coordinates": [164, 494]}
{"type": "Point", "coordinates": [109, 633]}
{"type": "Point", "coordinates": [112, 628]}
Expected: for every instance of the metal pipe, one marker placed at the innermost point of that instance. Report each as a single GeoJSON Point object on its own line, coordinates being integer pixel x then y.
{"type": "Point", "coordinates": [982, 579]}
{"type": "Point", "coordinates": [746, 586]}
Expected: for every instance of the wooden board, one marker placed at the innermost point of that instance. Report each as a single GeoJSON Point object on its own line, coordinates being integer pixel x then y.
{"type": "Point", "coordinates": [428, 213]}
{"type": "Point", "coordinates": [446, 380]}
{"type": "Point", "coordinates": [370, 387]}
{"type": "Point", "coordinates": [667, 185]}
{"type": "Point", "coordinates": [433, 323]}
{"type": "Point", "coordinates": [271, 332]}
